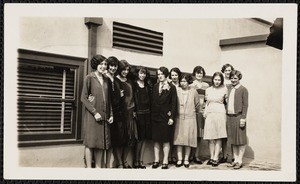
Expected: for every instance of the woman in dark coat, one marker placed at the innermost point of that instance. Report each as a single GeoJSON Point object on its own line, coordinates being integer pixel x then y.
{"type": "Point", "coordinates": [142, 108]}
{"type": "Point", "coordinates": [163, 112]}
{"type": "Point", "coordinates": [118, 129]}
{"type": "Point", "coordinates": [126, 87]}
{"type": "Point", "coordinates": [97, 116]}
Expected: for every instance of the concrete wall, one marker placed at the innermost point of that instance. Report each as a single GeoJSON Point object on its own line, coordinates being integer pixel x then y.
{"type": "Point", "coordinates": [187, 43]}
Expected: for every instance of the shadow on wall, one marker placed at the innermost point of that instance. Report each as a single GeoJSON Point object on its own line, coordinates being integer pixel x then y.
{"type": "Point", "coordinates": [249, 153]}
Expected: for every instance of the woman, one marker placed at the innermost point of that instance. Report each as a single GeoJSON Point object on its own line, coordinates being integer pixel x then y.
{"type": "Point", "coordinates": [215, 117]}
{"type": "Point", "coordinates": [142, 109]}
{"type": "Point", "coordinates": [200, 86]}
{"type": "Point", "coordinates": [118, 129]}
{"type": "Point", "coordinates": [128, 109]}
{"type": "Point", "coordinates": [97, 112]}
{"type": "Point", "coordinates": [237, 108]}
{"type": "Point", "coordinates": [163, 112]}
{"type": "Point", "coordinates": [186, 124]}
{"type": "Point", "coordinates": [175, 75]}
{"type": "Point", "coordinates": [226, 70]}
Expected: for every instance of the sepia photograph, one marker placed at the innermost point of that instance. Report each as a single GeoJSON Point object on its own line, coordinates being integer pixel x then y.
{"type": "Point", "coordinates": [150, 92]}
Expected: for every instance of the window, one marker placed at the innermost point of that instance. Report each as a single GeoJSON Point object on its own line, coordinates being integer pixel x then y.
{"type": "Point", "coordinates": [137, 39]}
{"type": "Point", "coordinates": [48, 97]}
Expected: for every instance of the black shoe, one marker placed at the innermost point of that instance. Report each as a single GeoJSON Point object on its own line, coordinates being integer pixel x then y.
{"type": "Point", "coordinates": [223, 160]}
{"type": "Point", "coordinates": [141, 166]}
{"type": "Point", "coordinates": [186, 164]}
{"type": "Point", "coordinates": [155, 165]}
{"type": "Point", "coordinates": [164, 166]}
{"type": "Point", "coordinates": [191, 158]}
{"type": "Point", "coordinates": [214, 163]}
{"type": "Point", "coordinates": [209, 162]}
{"type": "Point", "coordinates": [179, 163]}
{"type": "Point", "coordinates": [197, 161]}
{"type": "Point", "coordinates": [126, 165]}
{"type": "Point", "coordinates": [136, 165]}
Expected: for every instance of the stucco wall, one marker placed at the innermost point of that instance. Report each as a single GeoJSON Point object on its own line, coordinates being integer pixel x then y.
{"type": "Point", "coordinates": [261, 69]}
{"type": "Point", "coordinates": [59, 35]}
{"type": "Point", "coordinates": [187, 43]}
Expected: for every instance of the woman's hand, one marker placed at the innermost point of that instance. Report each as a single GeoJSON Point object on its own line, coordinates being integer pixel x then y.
{"type": "Point", "coordinates": [242, 123]}
{"type": "Point", "coordinates": [98, 117]}
{"type": "Point", "coordinates": [134, 114]}
{"type": "Point", "coordinates": [91, 98]}
{"type": "Point", "coordinates": [170, 122]}
{"type": "Point", "coordinates": [110, 120]}
{"type": "Point", "coordinates": [121, 92]}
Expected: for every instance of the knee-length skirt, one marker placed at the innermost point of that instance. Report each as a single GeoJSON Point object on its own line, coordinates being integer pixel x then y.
{"type": "Point", "coordinates": [215, 126]}
{"type": "Point", "coordinates": [162, 132]}
{"type": "Point", "coordinates": [236, 134]}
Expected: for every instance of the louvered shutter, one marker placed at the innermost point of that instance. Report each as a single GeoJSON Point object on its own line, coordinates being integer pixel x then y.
{"type": "Point", "coordinates": [47, 100]}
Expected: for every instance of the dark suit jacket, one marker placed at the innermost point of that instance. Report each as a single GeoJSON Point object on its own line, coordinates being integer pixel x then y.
{"type": "Point", "coordinates": [240, 100]}
{"type": "Point", "coordinates": [164, 105]}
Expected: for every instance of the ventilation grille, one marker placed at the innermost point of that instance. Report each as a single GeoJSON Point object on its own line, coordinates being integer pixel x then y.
{"type": "Point", "coordinates": [137, 39]}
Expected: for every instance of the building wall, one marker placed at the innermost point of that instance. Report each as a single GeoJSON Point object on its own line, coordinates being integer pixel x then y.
{"type": "Point", "coordinates": [261, 69]}
{"type": "Point", "coordinates": [187, 43]}
{"type": "Point", "coordinates": [67, 36]}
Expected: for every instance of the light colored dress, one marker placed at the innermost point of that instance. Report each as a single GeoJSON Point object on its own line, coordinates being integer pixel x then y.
{"type": "Point", "coordinates": [215, 113]}
{"type": "Point", "coordinates": [186, 124]}
{"type": "Point", "coordinates": [200, 87]}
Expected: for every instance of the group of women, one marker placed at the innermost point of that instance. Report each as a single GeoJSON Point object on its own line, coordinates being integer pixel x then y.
{"type": "Point", "coordinates": [123, 112]}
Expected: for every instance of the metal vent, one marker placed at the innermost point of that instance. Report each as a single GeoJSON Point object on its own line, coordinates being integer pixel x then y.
{"type": "Point", "coordinates": [137, 39]}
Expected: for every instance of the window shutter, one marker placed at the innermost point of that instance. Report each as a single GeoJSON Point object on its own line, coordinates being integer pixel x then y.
{"type": "Point", "coordinates": [41, 103]}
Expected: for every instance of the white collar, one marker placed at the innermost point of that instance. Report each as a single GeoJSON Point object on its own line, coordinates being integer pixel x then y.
{"type": "Point", "coordinates": [237, 86]}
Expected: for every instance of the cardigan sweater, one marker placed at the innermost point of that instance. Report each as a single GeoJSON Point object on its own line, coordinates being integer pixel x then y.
{"type": "Point", "coordinates": [240, 100]}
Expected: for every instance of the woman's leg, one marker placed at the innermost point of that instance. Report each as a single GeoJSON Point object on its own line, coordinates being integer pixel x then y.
{"type": "Point", "coordinates": [241, 153]}
{"type": "Point", "coordinates": [138, 153]}
{"type": "Point", "coordinates": [98, 157]}
{"type": "Point", "coordinates": [179, 153]}
{"type": "Point", "coordinates": [142, 152]}
{"type": "Point", "coordinates": [166, 150]}
{"type": "Point", "coordinates": [218, 144]}
{"type": "Point", "coordinates": [224, 148]}
{"type": "Point", "coordinates": [235, 153]}
{"type": "Point", "coordinates": [156, 151]}
{"type": "Point", "coordinates": [187, 151]}
{"type": "Point", "coordinates": [110, 158]}
{"type": "Point", "coordinates": [211, 148]}
{"type": "Point", "coordinates": [89, 156]}
{"type": "Point", "coordinates": [124, 156]}
{"type": "Point", "coordinates": [118, 156]}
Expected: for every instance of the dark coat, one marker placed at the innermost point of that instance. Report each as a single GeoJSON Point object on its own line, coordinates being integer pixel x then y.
{"type": "Point", "coordinates": [164, 107]}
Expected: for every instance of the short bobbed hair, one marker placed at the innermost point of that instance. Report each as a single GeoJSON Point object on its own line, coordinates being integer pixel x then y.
{"type": "Point", "coordinates": [143, 70]}
{"type": "Point", "coordinates": [199, 69]}
{"type": "Point", "coordinates": [187, 77]}
{"type": "Point", "coordinates": [164, 70]}
{"type": "Point", "coordinates": [226, 66]}
{"type": "Point", "coordinates": [215, 75]}
{"type": "Point", "coordinates": [123, 64]}
{"type": "Point", "coordinates": [112, 61]}
{"type": "Point", "coordinates": [96, 60]}
{"type": "Point", "coordinates": [176, 70]}
{"type": "Point", "coordinates": [237, 73]}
